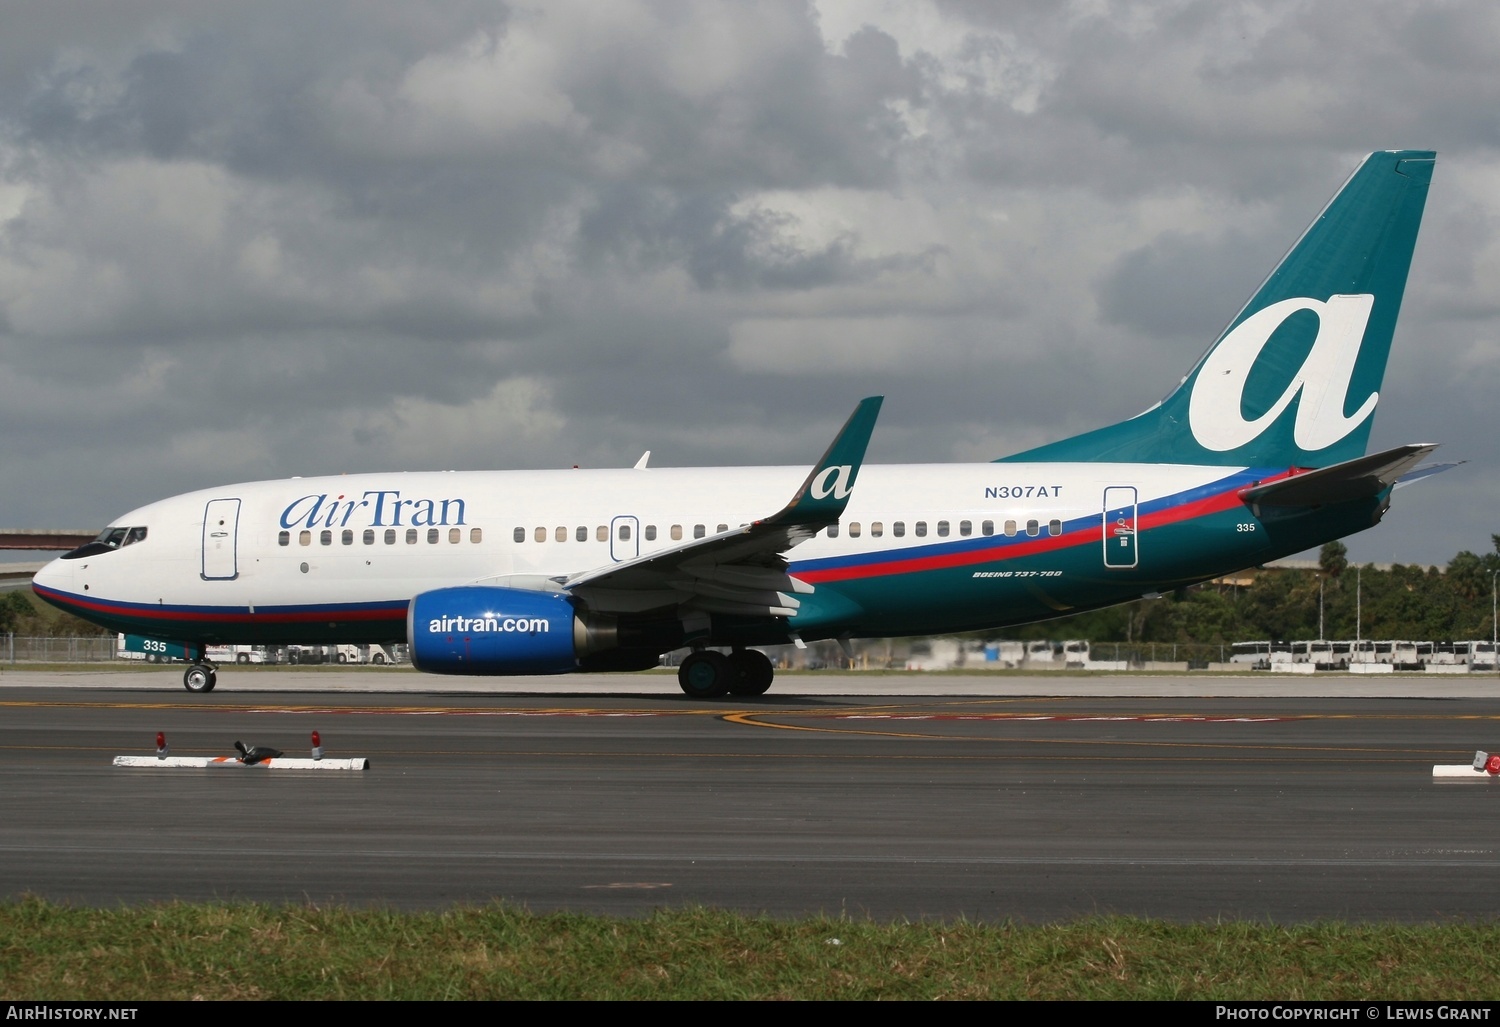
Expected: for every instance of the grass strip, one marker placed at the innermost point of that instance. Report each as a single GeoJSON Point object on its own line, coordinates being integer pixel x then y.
{"type": "Point", "coordinates": [247, 952]}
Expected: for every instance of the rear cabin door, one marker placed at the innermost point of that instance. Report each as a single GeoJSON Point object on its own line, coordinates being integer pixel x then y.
{"type": "Point", "coordinates": [1119, 527]}
{"type": "Point", "coordinates": [624, 538]}
{"type": "Point", "coordinates": [221, 523]}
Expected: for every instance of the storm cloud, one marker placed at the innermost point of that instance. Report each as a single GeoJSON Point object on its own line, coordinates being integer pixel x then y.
{"type": "Point", "coordinates": [244, 241]}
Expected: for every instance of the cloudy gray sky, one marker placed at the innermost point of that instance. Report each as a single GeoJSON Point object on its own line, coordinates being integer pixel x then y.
{"type": "Point", "coordinates": [256, 240]}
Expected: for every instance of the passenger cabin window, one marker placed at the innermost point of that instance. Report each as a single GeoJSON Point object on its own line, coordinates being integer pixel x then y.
{"type": "Point", "coordinates": [348, 536]}
{"type": "Point", "coordinates": [1033, 528]}
{"type": "Point", "coordinates": [582, 534]}
{"type": "Point", "coordinates": [698, 531]}
{"type": "Point", "coordinates": [520, 535]}
{"type": "Point", "coordinates": [854, 529]}
{"type": "Point", "coordinates": [987, 528]}
{"type": "Point", "coordinates": [876, 529]}
{"type": "Point", "coordinates": [411, 535]}
{"type": "Point", "coordinates": [722, 528]}
{"type": "Point", "coordinates": [942, 529]}
{"type": "Point", "coordinates": [601, 533]}
{"type": "Point", "coordinates": [390, 536]}
{"type": "Point", "coordinates": [676, 533]}
{"type": "Point", "coordinates": [540, 535]}
{"type": "Point", "coordinates": [476, 534]}
{"type": "Point", "coordinates": [1010, 528]}
{"type": "Point", "coordinates": [1054, 527]}
{"type": "Point", "coordinates": [650, 533]}
{"type": "Point", "coordinates": [966, 528]}
{"type": "Point", "coordinates": [432, 536]}
{"type": "Point", "coordinates": [921, 529]}
{"type": "Point", "coordinates": [284, 538]}
{"type": "Point", "coordinates": [624, 533]}
{"type": "Point", "coordinates": [304, 538]}
{"type": "Point", "coordinates": [369, 536]}
{"type": "Point", "coordinates": [326, 537]}
{"type": "Point", "coordinates": [561, 534]}
{"type": "Point", "coordinates": [455, 536]}
{"type": "Point", "coordinates": [898, 528]}
{"type": "Point", "coordinates": [833, 531]}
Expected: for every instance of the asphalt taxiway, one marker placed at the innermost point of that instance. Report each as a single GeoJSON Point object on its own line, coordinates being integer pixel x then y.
{"type": "Point", "coordinates": [1279, 804]}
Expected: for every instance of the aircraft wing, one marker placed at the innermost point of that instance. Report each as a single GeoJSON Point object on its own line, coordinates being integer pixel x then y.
{"type": "Point", "coordinates": [744, 570]}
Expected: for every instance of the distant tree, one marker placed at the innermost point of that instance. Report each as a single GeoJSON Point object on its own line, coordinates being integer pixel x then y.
{"type": "Point", "coordinates": [20, 614]}
{"type": "Point", "coordinates": [1334, 558]}
{"type": "Point", "coordinates": [13, 606]}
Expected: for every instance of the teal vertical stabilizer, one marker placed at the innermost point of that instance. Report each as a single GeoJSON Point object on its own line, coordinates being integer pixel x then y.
{"type": "Point", "coordinates": [1294, 379]}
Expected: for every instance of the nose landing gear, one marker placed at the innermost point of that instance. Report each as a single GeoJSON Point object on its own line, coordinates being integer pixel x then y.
{"type": "Point", "coordinates": [200, 677]}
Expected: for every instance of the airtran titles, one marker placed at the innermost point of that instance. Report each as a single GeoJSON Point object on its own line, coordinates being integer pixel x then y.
{"type": "Point", "coordinates": [384, 508]}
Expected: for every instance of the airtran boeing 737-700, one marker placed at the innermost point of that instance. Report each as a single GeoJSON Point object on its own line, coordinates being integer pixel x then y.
{"type": "Point", "coordinates": [1258, 453]}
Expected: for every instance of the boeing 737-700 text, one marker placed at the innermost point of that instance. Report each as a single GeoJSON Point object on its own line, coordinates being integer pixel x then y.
{"type": "Point", "coordinates": [1258, 453]}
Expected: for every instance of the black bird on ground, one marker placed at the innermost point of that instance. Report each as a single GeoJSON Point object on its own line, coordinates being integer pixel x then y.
{"type": "Point", "coordinates": [256, 753]}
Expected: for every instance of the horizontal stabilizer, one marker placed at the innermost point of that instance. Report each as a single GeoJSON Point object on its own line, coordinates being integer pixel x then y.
{"type": "Point", "coordinates": [1359, 478]}
{"type": "Point", "coordinates": [1426, 472]}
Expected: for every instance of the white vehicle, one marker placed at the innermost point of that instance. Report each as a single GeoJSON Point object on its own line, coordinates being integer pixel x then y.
{"type": "Point", "coordinates": [376, 654]}
{"type": "Point", "coordinates": [237, 654]}
{"type": "Point", "coordinates": [541, 572]}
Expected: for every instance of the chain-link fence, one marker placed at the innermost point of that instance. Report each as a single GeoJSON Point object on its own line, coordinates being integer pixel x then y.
{"type": "Point", "coordinates": [86, 649]}
{"type": "Point", "coordinates": [1138, 655]}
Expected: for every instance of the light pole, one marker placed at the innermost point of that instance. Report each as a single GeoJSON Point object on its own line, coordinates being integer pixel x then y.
{"type": "Point", "coordinates": [1494, 628]}
{"type": "Point", "coordinates": [1358, 604]}
{"type": "Point", "coordinates": [1320, 607]}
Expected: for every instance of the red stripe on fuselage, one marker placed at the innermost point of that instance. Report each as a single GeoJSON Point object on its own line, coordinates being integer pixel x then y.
{"type": "Point", "coordinates": [1228, 499]}
{"type": "Point", "coordinates": [155, 613]}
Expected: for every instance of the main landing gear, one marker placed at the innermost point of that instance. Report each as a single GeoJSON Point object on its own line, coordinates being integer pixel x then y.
{"type": "Point", "coordinates": [707, 674]}
{"type": "Point", "coordinates": [200, 677]}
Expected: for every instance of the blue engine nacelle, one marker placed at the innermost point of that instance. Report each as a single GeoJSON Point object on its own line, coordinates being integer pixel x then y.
{"type": "Point", "coordinates": [486, 629]}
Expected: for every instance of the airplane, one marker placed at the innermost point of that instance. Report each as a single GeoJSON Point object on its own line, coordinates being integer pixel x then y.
{"type": "Point", "coordinates": [1259, 452]}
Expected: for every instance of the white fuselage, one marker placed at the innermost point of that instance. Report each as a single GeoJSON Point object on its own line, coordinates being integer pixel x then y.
{"type": "Point", "coordinates": [315, 542]}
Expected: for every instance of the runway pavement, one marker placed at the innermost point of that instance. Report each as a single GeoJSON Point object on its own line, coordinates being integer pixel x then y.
{"type": "Point", "coordinates": [1199, 804]}
{"type": "Point", "coordinates": [340, 680]}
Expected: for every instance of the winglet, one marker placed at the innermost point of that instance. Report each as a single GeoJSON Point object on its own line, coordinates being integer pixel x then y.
{"type": "Point", "coordinates": [825, 493]}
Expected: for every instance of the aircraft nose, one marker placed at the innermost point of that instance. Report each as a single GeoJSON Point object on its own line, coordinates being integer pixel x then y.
{"type": "Point", "coordinates": [57, 574]}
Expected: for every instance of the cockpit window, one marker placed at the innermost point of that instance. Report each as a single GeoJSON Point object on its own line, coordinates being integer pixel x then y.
{"type": "Point", "coordinates": [108, 541]}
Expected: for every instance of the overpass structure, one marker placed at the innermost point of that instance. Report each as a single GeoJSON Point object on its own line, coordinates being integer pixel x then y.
{"type": "Point", "coordinates": [44, 538]}
{"type": "Point", "coordinates": [15, 576]}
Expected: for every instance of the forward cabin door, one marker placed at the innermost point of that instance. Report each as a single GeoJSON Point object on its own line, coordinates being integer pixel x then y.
{"type": "Point", "coordinates": [1120, 551]}
{"type": "Point", "coordinates": [221, 525]}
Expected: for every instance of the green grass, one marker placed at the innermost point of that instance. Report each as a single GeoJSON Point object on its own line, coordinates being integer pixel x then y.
{"type": "Point", "coordinates": [271, 952]}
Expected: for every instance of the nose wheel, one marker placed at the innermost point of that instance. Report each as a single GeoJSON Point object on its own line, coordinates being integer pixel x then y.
{"type": "Point", "coordinates": [200, 677]}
